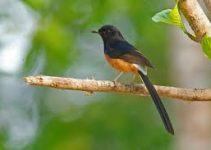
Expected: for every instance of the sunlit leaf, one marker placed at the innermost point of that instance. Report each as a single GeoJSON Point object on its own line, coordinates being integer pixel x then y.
{"type": "Point", "coordinates": [169, 16]}
{"type": "Point", "coordinates": [206, 45]}
{"type": "Point", "coordinates": [162, 16]}
{"type": "Point", "coordinates": [172, 16]}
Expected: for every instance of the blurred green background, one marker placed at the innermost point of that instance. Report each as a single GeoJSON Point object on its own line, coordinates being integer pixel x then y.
{"type": "Point", "coordinates": [52, 37]}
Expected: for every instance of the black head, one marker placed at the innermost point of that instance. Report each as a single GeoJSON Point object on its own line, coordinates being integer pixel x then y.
{"type": "Point", "coordinates": [109, 32]}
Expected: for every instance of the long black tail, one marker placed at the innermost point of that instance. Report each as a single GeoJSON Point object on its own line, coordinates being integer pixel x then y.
{"type": "Point", "coordinates": [158, 103]}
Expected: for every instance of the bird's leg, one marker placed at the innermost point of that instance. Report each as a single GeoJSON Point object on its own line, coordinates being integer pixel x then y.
{"type": "Point", "coordinates": [117, 77]}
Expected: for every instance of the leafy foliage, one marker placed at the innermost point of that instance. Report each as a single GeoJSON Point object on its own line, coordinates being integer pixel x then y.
{"type": "Point", "coordinates": [206, 45]}
{"type": "Point", "coordinates": [170, 16]}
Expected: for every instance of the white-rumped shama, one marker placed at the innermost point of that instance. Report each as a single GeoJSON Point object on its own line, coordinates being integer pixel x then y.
{"type": "Point", "coordinates": [124, 57]}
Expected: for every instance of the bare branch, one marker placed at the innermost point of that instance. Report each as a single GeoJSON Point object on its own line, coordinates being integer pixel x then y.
{"type": "Point", "coordinates": [196, 18]}
{"type": "Point", "coordinates": [92, 85]}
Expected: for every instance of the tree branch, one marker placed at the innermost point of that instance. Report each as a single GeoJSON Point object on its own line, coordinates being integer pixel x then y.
{"type": "Point", "coordinates": [208, 5]}
{"type": "Point", "coordinates": [196, 18]}
{"type": "Point", "coordinates": [92, 85]}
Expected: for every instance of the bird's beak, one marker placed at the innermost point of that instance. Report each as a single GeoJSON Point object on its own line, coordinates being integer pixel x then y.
{"type": "Point", "coordinates": [94, 32]}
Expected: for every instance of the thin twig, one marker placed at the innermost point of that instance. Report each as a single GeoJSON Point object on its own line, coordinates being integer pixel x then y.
{"type": "Point", "coordinates": [92, 85]}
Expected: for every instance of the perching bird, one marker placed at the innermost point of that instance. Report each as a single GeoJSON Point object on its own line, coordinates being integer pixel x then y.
{"type": "Point", "coordinates": [124, 57]}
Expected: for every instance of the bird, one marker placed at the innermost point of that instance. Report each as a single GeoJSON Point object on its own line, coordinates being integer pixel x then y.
{"type": "Point", "coordinates": [125, 58]}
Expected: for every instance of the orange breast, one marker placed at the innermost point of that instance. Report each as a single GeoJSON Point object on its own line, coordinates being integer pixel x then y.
{"type": "Point", "coordinates": [121, 65]}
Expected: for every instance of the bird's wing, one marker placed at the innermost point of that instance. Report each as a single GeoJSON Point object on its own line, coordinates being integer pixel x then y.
{"type": "Point", "coordinates": [127, 52]}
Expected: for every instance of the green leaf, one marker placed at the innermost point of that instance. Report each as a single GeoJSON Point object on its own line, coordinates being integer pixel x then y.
{"type": "Point", "coordinates": [206, 45]}
{"type": "Point", "coordinates": [162, 16]}
{"type": "Point", "coordinates": [170, 16]}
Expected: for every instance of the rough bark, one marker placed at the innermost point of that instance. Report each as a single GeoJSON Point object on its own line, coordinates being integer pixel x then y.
{"type": "Point", "coordinates": [196, 18]}
{"type": "Point", "coordinates": [109, 86]}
